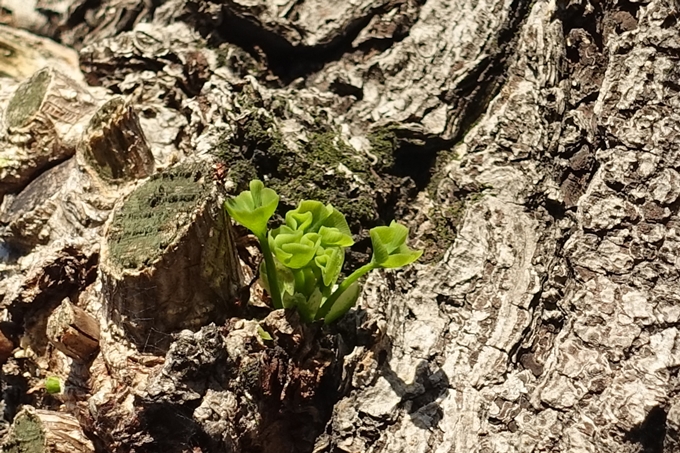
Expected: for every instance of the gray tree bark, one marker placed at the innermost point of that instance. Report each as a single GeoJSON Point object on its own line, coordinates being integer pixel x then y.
{"type": "Point", "coordinates": [530, 146]}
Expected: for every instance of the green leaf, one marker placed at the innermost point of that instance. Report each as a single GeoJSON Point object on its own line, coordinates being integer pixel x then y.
{"type": "Point", "coordinates": [333, 237]}
{"type": "Point", "coordinates": [292, 247]}
{"type": "Point", "coordinates": [263, 333]}
{"type": "Point", "coordinates": [53, 385]}
{"type": "Point", "coordinates": [309, 306]}
{"type": "Point", "coordinates": [253, 208]}
{"type": "Point", "coordinates": [343, 303]}
{"type": "Point", "coordinates": [389, 246]}
{"type": "Point", "coordinates": [284, 277]}
{"type": "Point", "coordinates": [330, 263]}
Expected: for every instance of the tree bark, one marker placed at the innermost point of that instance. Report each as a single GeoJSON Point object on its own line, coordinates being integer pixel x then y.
{"type": "Point", "coordinates": [46, 432]}
{"type": "Point", "coordinates": [530, 146]}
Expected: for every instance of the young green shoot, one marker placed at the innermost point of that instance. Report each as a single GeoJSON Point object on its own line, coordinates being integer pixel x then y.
{"type": "Point", "coordinates": [303, 258]}
{"type": "Point", "coordinates": [253, 209]}
{"type": "Point", "coordinates": [53, 385]}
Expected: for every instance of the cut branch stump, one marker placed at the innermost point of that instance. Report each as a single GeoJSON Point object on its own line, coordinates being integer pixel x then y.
{"type": "Point", "coordinates": [168, 262]}
{"type": "Point", "coordinates": [40, 431]}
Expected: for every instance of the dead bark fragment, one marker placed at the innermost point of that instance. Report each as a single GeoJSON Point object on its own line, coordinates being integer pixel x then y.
{"type": "Point", "coordinates": [6, 346]}
{"type": "Point", "coordinates": [27, 215]}
{"type": "Point", "coordinates": [73, 331]}
{"type": "Point", "coordinates": [169, 262]}
{"type": "Point", "coordinates": [40, 431]}
{"type": "Point", "coordinates": [114, 144]}
{"type": "Point", "coordinates": [57, 271]}
{"type": "Point", "coordinates": [41, 126]}
{"type": "Point", "coordinates": [24, 54]}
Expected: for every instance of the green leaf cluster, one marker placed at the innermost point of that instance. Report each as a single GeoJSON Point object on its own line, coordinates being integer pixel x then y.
{"type": "Point", "coordinates": [303, 258]}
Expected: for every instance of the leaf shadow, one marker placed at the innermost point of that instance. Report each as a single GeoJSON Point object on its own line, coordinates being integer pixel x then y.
{"type": "Point", "coordinates": [421, 398]}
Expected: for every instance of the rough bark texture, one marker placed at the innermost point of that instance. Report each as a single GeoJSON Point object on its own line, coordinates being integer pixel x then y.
{"type": "Point", "coordinates": [531, 146]}
{"type": "Point", "coordinates": [168, 262]}
{"type": "Point", "coordinates": [46, 432]}
{"type": "Point", "coordinates": [73, 331]}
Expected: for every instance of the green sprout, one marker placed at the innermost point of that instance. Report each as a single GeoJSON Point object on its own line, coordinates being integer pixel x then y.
{"type": "Point", "coordinates": [303, 258]}
{"type": "Point", "coordinates": [52, 385]}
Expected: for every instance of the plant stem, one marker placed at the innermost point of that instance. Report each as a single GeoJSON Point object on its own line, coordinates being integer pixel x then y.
{"type": "Point", "coordinates": [346, 283]}
{"type": "Point", "coordinates": [272, 278]}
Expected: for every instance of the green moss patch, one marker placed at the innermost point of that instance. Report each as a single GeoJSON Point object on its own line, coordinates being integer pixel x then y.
{"type": "Point", "coordinates": [28, 98]}
{"type": "Point", "coordinates": [26, 436]}
{"type": "Point", "coordinates": [149, 220]}
{"type": "Point", "coordinates": [318, 170]}
{"type": "Point", "coordinates": [384, 143]}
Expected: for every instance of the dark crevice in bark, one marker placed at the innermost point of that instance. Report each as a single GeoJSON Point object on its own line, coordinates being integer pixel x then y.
{"type": "Point", "coordinates": [287, 61]}
{"type": "Point", "coordinates": [417, 161]}
{"type": "Point", "coordinates": [473, 95]}
{"type": "Point", "coordinates": [576, 16]}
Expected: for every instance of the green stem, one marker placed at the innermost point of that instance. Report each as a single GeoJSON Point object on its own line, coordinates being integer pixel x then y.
{"type": "Point", "coordinates": [271, 271]}
{"type": "Point", "coordinates": [346, 283]}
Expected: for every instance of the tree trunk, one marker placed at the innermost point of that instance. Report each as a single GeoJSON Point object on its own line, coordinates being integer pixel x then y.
{"type": "Point", "coordinates": [529, 145]}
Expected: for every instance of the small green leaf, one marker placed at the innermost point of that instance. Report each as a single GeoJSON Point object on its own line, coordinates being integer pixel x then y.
{"type": "Point", "coordinates": [330, 263]}
{"type": "Point", "coordinates": [253, 208]}
{"type": "Point", "coordinates": [292, 247]}
{"type": "Point", "coordinates": [309, 306]}
{"type": "Point", "coordinates": [334, 237]}
{"type": "Point", "coordinates": [263, 333]}
{"type": "Point", "coordinates": [337, 220]}
{"type": "Point", "coordinates": [389, 246]}
{"type": "Point", "coordinates": [380, 252]}
{"type": "Point", "coordinates": [299, 220]}
{"type": "Point", "coordinates": [285, 278]}
{"type": "Point", "coordinates": [308, 216]}
{"type": "Point", "coordinates": [343, 303]}
{"type": "Point", "coordinates": [401, 259]}
{"type": "Point", "coordinates": [53, 385]}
